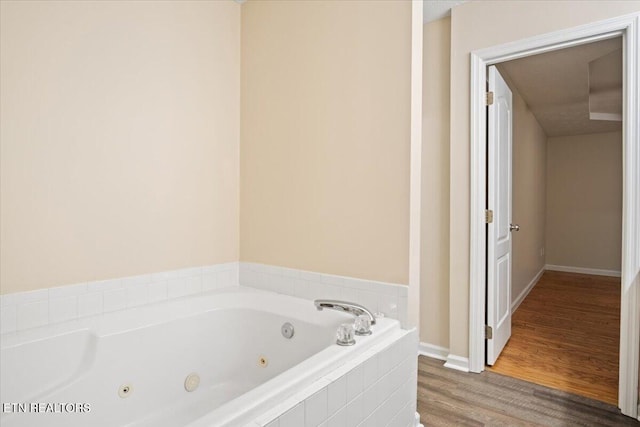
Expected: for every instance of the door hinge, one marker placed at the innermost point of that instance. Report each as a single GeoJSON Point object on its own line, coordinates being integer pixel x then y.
{"type": "Point", "coordinates": [488, 216]}
{"type": "Point", "coordinates": [488, 332]}
{"type": "Point", "coordinates": [489, 98]}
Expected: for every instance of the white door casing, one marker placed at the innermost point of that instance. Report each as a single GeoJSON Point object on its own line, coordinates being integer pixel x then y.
{"type": "Point", "coordinates": [499, 201]}
{"type": "Point", "coordinates": [627, 26]}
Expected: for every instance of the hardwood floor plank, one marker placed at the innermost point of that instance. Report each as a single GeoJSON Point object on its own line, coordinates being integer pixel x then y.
{"type": "Point", "coordinates": [448, 397]}
{"type": "Point", "coordinates": [566, 335]}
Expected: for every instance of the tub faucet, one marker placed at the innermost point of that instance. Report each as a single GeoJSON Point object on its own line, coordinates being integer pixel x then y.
{"type": "Point", "coordinates": [348, 307]}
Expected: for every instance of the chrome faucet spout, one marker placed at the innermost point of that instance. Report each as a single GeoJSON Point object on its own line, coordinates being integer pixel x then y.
{"type": "Point", "coordinates": [347, 307]}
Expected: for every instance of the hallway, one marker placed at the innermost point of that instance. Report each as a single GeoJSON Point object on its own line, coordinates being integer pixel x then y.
{"type": "Point", "coordinates": [565, 335]}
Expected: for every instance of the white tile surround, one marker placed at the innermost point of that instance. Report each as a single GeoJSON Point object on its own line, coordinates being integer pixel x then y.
{"type": "Point", "coordinates": [26, 310]}
{"type": "Point", "coordinates": [377, 388]}
{"type": "Point", "coordinates": [379, 297]}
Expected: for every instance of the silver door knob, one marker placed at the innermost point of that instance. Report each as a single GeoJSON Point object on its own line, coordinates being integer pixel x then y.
{"type": "Point", "coordinates": [514, 227]}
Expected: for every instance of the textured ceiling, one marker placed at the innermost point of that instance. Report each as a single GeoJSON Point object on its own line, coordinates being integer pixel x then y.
{"type": "Point", "coordinates": [555, 86]}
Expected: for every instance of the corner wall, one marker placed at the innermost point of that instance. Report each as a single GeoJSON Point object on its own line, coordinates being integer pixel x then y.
{"type": "Point", "coordinates": [119, 142]}
{"type": "Point", "coordinates": [529, 197]}
{"type": "Point", "coordinates": [326, 137]}
{"type": "Point", "coordinates": [434, 276]}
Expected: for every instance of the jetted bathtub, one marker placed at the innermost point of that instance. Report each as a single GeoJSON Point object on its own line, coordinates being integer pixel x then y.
{"type": "Point", "coordinates": [213, 359]}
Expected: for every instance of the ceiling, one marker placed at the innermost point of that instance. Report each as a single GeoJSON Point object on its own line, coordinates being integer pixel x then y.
{"type": "Point", "coordinates": [436, 9]}
{"type": "Point", "coordinates": [555, 86]}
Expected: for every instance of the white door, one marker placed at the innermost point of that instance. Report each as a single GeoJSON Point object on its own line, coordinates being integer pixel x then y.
{"type": "Point", "coordinates": [499, 230]}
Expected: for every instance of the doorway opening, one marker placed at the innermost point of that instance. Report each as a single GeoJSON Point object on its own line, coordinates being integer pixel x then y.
{"type": "Point", "coordinates": [557, 218]}
{"type": "Point", "coordinates": [629, 342]}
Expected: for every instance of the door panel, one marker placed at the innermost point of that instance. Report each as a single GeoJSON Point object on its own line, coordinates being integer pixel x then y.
{"type": "Point", "coordinates": [499, 200]}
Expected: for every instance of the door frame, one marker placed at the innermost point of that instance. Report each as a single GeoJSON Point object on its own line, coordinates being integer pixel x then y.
{"type": "Point", "coordinates": [627, 26]}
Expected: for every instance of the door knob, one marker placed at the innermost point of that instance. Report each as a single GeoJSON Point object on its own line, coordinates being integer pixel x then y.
{"type": "Point", "coordinates": [514, 227]}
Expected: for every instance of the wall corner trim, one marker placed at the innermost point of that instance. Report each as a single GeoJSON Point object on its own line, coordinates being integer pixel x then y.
{"type": "Point", "coordinates": [458, 363]}
{"type": "Point", "coordinates": [433, 351]}
{"type": "Point", "coordinates": [415, 162]}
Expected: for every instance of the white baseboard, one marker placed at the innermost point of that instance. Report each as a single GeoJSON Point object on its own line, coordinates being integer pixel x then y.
{"type": "Point", "coordinates": [416, 421]}
{"type": "Point", "coordinates": [582, 270]}
{"type": "Point", "coordinates": [515, 304]}
{"type": "Point", "coordinates": [458, 363]}
{"type": "Point", "coordinates": [433, 351]}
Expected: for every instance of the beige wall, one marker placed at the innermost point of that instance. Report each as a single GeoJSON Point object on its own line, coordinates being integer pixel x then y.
{"type": "Point", "coordinates": [325, 136]}
{"type": "Point", "coordinates": [529, 198]}
{"type": "Point", "coordinates": [119, 139]}
{"type": "Point", "coordinates": [474, 26]}
{"type": "Point", "coordinates": [584, 201]}
{"type": "Point", "coordinates": [434, 267]}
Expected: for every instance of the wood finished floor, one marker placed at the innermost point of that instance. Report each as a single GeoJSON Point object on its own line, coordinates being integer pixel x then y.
{"type": "Point", "coordinates": [566, 335]}
{"type": "Point", "coordinates": [451, 398]}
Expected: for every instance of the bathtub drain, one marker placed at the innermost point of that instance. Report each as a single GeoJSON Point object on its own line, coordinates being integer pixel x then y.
{"type": "Point", "coordinates": [263, 362]}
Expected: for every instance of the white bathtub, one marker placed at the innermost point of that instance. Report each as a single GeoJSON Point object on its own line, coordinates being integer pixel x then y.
{"type": "Point", "coordinates": [221, 336]}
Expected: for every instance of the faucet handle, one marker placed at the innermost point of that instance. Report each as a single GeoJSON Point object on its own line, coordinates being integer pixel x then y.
{"type": "Point", "coordinates": [344, 334]}
{"type": "Point", "coordinates": [362, 325]}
